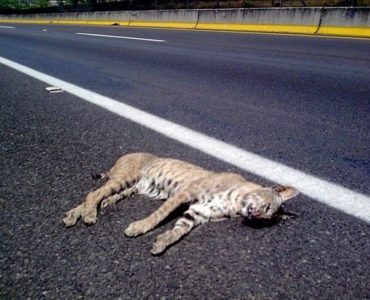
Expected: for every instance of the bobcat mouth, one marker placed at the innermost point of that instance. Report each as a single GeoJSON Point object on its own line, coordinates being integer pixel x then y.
{"type": "Point", "coordinates": [252, 213]}
{"type": "Point", "coordinates": [252, 216]}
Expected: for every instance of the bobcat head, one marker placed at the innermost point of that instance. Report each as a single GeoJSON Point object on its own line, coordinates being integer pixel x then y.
{"type": "Point", "coordinates": [264, 203]}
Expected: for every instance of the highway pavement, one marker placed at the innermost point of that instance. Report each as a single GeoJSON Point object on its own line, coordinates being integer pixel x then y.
{"type": "Point", "coordinates": [300, 101]}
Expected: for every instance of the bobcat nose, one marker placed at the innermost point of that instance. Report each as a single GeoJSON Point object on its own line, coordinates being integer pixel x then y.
{"type": "Point", "coordinates": [251, 211]}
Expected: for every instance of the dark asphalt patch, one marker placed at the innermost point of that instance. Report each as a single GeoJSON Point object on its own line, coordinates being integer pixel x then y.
{"type": "Point", "coordinates": [297, 100]}
{"type": "Point", "coordinates": [51, 143]}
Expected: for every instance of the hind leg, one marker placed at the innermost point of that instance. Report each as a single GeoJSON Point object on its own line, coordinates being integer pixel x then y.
{"type": "Point", "coordinates": [112, 190]}
{"type": "Point", "coordinates": [122, 177]}
{"type": "Point", "coordinates": [93, 199]}
{"type": "Point", "coordinates": [119, 196]}
{"type": "Point", "coordinates": [128, 166]}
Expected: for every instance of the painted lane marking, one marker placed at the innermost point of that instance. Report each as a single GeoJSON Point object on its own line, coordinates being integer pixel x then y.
{"type": "Point", "coordinates": [120, 37]}
{"type": "Point", "coordinates": [8, 27]}
{"type": "Point", "coordinates": [336, 196]}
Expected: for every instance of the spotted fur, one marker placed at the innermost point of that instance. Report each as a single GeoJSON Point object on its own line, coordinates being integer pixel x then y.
{"type": "Point", "coordinates": [211, 196]}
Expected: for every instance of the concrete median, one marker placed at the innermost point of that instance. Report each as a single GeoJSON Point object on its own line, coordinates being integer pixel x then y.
{"type": "Point", "coordinates": [354, 22]}
{"type": "Point", "coordinates": [185, 19]}
{"type": "Point", "coordinates": [346, 21]}
{"type": "Point", "coordinates": [286, 20]}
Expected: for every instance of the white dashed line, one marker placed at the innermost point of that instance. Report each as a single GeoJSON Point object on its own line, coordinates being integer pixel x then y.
{"type": "Point", "coordinates": [120, 37]}
{"type": "Point", "coordinates": [341, 198]}
{"type": "Point", "coordinates": [7, 27]}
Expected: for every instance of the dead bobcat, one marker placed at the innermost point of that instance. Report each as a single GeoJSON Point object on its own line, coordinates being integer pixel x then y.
{"type": "Point", "coordinates": [212, 196]}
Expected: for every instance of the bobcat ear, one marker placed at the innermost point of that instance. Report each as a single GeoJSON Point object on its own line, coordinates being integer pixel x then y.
{"type": "Point", "coordinates": [286, 192]}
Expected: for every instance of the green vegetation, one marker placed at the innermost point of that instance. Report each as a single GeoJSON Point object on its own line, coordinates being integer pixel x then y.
{"type": "Point", "coordinates": [14, 4]}
{"type": "Point", "coordinates": [40, 3]}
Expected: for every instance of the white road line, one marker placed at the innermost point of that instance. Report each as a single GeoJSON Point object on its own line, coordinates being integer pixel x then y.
{"type": "Point", "coordinates": [346, 200]}
{"type": "Point", "coordinates": [120, 37]}
{"type": "Point", "coordinates": [8, 27]}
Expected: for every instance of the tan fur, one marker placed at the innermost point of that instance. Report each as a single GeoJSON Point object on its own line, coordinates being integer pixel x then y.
{"type": "Point", "coordinates": [211, 196]}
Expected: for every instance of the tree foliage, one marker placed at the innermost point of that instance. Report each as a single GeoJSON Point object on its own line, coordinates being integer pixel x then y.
{"type": "Point", "coordinates": [14, 4]}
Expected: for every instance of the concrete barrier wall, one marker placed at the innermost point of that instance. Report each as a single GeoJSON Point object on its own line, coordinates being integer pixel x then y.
{"type": "Point", "coordinates": [355, 17]}
{"type": "Point", "coordinates": [328, 21]}
{"type": "Point", "coordinates": [346, 21]}
{"type": "Point", "coordinates": [286, 16]}
{"type": "Point", "coordinates": [283, 20]}
{"type": "Point", "coordinates": [181, 15]}
{"type": "Point", "coordinates": [83, 18]}
{"type": "Point", "coordinates": [165, 18]}
{"type": "Point", "coordinates": [109, 15]}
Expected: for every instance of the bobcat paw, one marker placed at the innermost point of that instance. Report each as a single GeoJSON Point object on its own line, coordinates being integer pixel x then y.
{"type": "Point", "coordinates": [105, 203]}
{"type": "Point", "coordinates": [90, 217]}
{"type": "Point", "coordinates": [73, 215]}
{"type": "Point", "coordinates": [161, 243]}
{"type": "Point", "coordinates": [112, 199]}
{"type": "Point", "coordinates": [158, 248]}
{"type": "Point", "coordinates": [136, 228]}
{"type": "Point", "coordinates": [70, 220]}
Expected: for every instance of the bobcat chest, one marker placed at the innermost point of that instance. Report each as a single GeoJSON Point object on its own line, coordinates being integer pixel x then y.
{"type": "Point", "coordinates": [215, 205]}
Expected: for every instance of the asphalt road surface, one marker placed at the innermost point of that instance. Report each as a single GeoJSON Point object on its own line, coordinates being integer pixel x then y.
{"type": "Point", "coordinates": [300, 101]}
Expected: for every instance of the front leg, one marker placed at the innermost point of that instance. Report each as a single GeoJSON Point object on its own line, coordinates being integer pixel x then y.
{"type": "Point", "coordinates": [168, 238]}
{"type": "Point", "coordinates": [182, 227]}
{"type": "Point", "coordinates": [147, 224]}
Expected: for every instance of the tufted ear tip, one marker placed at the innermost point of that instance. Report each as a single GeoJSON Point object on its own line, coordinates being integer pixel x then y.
{"type": "Point", "coordinates": [286, 192]}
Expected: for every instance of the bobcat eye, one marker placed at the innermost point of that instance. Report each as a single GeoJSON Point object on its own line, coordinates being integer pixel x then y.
{"type": "Point", "coordinates": [267, 207]}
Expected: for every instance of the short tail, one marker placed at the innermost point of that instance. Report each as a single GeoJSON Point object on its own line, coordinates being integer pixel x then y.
{"type": "Point", "coordinates": [98, 176]}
